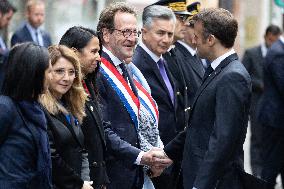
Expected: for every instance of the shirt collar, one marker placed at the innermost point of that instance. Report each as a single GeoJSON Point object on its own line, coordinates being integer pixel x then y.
{"type": "Point", "coordinates": [149, 52]}
{"type": "Point", "coordinates": [263, 49]}
{"type": "Point", "coordinates": [113, 58]}
{"type": "Point", "coordinates": [218, 60]}
{"type": "Point", "coordinates": [281, 38]}
{"type": "Point", "coordinates": [32, 29]}
{"type": "Point", "coordinates": [189, 48]}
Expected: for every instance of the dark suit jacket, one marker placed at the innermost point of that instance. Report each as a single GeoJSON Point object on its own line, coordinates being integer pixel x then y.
{"type": "Point", "coordinates": [67, 148]}
{"type": "Point", "coordinates": [23, 35]}
{"type": "Point", "coordinates": [19, 149]}
{"type": "Point", "coordinates": [253, 61]}
{"type": "Point", "coordinates": [271, 108]}
{"type": "Point", "coordinates": [121, 138]}
{"type": "Point", "coordinates": [3, 63]}
{"type": "Point", "coordinates": [167, 111]}
{"type": "Point", "coordinates": [93, 130]}
{"type": "Point", "coordinates": [192, 68]}
{"type": "Point", "coordinates": [192, 72]}
{"type": "Point", "coordinates": [212, 145]}
{"type": "Point", "coordinates": [175, 69]}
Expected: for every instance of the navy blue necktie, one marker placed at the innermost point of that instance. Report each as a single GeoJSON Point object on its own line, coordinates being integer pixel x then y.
{"type": "Point", "coordinates": [127, 78]}
{"type": "Point", "coordinates": [208, 71]}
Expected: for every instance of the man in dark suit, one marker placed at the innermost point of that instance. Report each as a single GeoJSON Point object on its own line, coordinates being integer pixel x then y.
{"type": "Point", "coordinates": [157, 36]}
{"type": "Point", "coordinates": [253, 60]}
{"type": "Point", "coordinates": [118, 31]}
{"type": "Point", "coordinates": [186, 50]}
{"type": "Point", "coordinates": [30, 31]}
{"type": "Point", "coordinates": [186, 70]}
{"type": "Point", "coordinates": [7, 11]}
{"type": "Point", "coordinates": [271, 112]}
{"type": "Point", "coordinates": [212, 144]}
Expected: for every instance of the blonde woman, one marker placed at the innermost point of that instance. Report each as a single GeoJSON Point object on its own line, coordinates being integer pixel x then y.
{"type": "Point", "coordinates": [64, 103]}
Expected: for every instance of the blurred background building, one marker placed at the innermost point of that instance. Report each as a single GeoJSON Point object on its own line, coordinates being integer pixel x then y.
{"type": "Point", "coordinates": [253, 16]}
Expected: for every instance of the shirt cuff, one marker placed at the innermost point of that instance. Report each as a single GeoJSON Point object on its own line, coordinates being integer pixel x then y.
{"type": "Point", "coordinates": [194, 188]}
{"type": "Point", "coordinates": [139, 157]}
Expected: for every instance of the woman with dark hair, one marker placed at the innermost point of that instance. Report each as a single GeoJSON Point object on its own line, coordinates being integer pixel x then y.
{"type": "Point", "coordinates": [64, 102]}
{"type": "Point", "coordinates": [24, 149]}
{"type": "Point", "coordinates": [86, 45]}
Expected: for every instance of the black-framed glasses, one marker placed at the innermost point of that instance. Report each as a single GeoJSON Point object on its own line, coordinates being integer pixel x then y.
{"type": "Point", "coordinates": [182, 17]}
{"type": "Point", "coordinates": [128, 32]}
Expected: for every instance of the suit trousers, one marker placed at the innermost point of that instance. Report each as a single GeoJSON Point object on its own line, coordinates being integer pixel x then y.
{"type": "Point", "coordinates": [273, 154]}
{"type": "Point", "coordinates": [256, 139]}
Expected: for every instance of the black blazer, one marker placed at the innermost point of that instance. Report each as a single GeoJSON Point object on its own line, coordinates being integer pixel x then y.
{"type": "Point", "coordinates": [95, 143]}
{"type": "Point", "coordinates": [212, 145]}
{"type": "Point", "coordinates": [188, 71]}
{"type": "Point", "coordinates": [193, 70]}
{"type": "Point", "coordinates": [271, 108]}
{"type": "Point", "coordinates": [175, 69]}
{"type": "Point", "coordinates": [168, 126]}
{"type": "Point", "coordinates": [67, 148]}
{"type": "Point", "coordinates": [23, 35]}
{"type": "Point", "coordinates": [253, 61]}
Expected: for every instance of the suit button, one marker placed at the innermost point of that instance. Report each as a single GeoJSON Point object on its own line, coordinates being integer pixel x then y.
{"type": "Point", "coordinates": [136, 143]}
{"type": "Point", "coordinates": [178, 93]}
{"type": "Point", "coordinates": [95, 164]}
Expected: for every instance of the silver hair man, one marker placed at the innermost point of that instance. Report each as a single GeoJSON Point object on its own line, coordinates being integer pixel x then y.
{"type": "Point", "coordinates": [156, 12]}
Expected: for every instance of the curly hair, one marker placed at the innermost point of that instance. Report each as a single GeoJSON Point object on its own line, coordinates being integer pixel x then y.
{"type": "Point", "coordinates": [106, 19]}
{"type": "Point", "coordinates": [220, 23]}
{"type": "Point", "coordinates": [75, 97]}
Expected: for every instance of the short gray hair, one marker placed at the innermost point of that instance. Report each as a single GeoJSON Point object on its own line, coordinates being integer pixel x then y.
{"type": "Point", "coordinates": [156, 12]}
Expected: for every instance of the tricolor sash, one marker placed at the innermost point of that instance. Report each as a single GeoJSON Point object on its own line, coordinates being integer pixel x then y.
{"type": "Point", "coordinates": [126, 95]}
{"type": "Point", "coordinates": [147, 101]}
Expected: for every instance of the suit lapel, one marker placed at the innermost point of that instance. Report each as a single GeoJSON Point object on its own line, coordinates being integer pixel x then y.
{"type": "Point", "coordinates": [27, 34]}
{"type": "Point", "coordinates": [196, 64]}
{"type": "Point", "coordinates": [62, 119]}
{"type": "Point", "coordinates": [209, 79]}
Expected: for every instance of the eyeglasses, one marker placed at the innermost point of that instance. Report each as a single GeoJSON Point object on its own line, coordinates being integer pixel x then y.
{"type": "Point", "coordinates": [128, 32]}
{"type": "Point", "coordinates": [62, 72]}
{"type": "Point", "coordinates": [182, 17]}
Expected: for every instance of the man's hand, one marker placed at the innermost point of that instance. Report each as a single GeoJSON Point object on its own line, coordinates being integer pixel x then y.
{"type": "Point", "coordinates": [156, 157]}
{"type": "Point", "coordinates": [87, 185]}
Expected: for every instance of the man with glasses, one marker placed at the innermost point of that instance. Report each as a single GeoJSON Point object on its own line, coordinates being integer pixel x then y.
{"type": "Point", "coordinates": [118, 32]}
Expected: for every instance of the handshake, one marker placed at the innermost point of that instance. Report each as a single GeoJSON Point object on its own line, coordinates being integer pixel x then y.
{"type": "Point", "coordinates": [157, 160]}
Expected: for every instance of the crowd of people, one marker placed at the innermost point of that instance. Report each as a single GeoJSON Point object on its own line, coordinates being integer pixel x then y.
{"type": "Point", "coordinates": [161, 107]}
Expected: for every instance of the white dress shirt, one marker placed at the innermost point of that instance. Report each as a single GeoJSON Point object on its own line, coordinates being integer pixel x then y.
{"type": "Point", "coordinates": [218, 60]}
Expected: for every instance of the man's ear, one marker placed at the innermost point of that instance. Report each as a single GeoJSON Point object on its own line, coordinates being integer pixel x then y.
{"type": "Point", "coordinates": [144, 31]}
{"type": "Point", "coordinates": [212, 40]}
{"type": "Point", "coordinates": [106, 35]}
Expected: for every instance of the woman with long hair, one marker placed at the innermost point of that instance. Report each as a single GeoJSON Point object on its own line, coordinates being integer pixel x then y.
{"type": "Point", "coordinates": [24, 150]}
{"type": "Point", "coordinates": [65, 109]}
{"type": "Point", "coordinates": [86, 45]}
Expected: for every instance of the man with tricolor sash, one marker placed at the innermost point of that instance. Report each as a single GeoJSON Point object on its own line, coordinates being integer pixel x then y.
{"type": "Point", "coordinates": [126, 100]}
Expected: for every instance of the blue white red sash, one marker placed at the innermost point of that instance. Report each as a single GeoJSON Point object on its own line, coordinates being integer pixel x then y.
{"type": "Point", "coordinates": [126, 95]}
{"type": "Point", "coordinates": [147, 101]}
